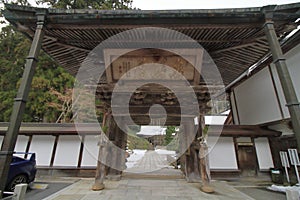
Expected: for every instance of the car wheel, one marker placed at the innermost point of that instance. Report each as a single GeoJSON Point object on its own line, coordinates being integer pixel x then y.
{"type": "Point", "coordinates": [17, 180]}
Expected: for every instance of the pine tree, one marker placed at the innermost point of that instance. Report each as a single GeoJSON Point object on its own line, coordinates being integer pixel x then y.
{"type": "Point", "coordinates": [169, 134]}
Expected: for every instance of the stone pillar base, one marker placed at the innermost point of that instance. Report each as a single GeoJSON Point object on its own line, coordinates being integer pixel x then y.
{"type": "Point", "coordinates": [207, 189]}
{"type": "Point", "coordinates": [98, 186]}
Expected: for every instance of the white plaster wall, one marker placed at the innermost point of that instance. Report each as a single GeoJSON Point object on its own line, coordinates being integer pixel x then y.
{"type": "Point", "coordinates": [42, 145]}
{"type": "Point", "coordinates": [90, 151]}
{"type": "Point", "coordinates": [279, 90]}
{"type": "Point", "coordinates": [67, 151]}
{"type": "Point", "coordinates": [293, 63]}
{"type": "Point", "coordinates": [222, 155]}
{"type": "Point", "coordinates": [215, 120]}
{"type": "Point", "coordinates": [263, 152]}
{"type": "Point", "coordinates": [21, 144]}
{"type": "Point", "coordinates": [283, 128]}
{"type": "Point", "coordinates": [256, 100]}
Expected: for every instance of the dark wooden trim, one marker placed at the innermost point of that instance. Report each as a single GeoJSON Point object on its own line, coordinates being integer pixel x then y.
{"type": "Point", "coordinates": [54, 150]}
{"type": "Point", "coordinates": [28, 146]}
{"type": "Point", "coordinates": [236, 148]}
{"type": "Point", "coordinates": [254, 149]}
{"type": "Point", "coordinates": [225, 173]}
{"type": "Point", "coordinates": [81, 151]}
{"type": "Point", "coordinates": [241, 131]}
{"type": "Point", "coordinates": [231, 106]}
{"type": "Point", "coordinates": [229, 119]}
{"type": "Point", "coordinates": [275, 148]}
{"type": "Point", "coordinates": [214, 130]}
{"type": "Point", "coordinates": [236, 107]}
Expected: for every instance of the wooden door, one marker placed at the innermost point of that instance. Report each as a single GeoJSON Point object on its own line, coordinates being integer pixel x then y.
{"type": "Point", "coordinates": [247, 160]}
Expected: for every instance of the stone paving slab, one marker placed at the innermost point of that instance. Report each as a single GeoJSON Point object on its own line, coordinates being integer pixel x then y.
{"type": "Point", "coordinates": [150, 162]}
{"type": "Point", "coordinates": [145, 189]}
{"type": "Point", "coordinates": [138, 187]}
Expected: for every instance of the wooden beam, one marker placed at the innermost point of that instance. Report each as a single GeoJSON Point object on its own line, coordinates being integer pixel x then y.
{"type": "Point", "coordinates": [93, 128]}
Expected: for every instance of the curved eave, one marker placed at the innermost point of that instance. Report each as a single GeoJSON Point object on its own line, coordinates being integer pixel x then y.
{"type": "Point", "coordinates": [234, 15]}
{"type": "Point", "coordinates": [233, 37]}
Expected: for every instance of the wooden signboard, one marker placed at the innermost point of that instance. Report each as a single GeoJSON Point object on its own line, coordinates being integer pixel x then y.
{"type": "Point", "coordinates": [150, 65]}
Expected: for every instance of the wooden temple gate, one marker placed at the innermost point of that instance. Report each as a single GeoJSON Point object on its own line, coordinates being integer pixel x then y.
{"type": "Point", "coordinates": [235, 38]}
{"type": "Point", "coordinates": [154, 92]}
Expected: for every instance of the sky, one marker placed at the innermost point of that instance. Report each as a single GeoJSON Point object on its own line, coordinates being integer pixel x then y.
{"type": "Point", "coordinates": [200, 4]}
{"type": "Point", "coordinates": [203, 4]}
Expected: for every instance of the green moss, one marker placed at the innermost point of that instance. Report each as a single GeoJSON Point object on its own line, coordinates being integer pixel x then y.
{"type": "Point", "coordinates": [135, 142]}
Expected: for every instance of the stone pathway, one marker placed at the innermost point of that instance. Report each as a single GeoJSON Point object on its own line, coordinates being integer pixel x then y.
{"type": "Point", "coordinates": [162, 184]}
{"type": "Point", "coordinates": [147, 189]}
{"type": "Point", "coordinates": [150, 162]}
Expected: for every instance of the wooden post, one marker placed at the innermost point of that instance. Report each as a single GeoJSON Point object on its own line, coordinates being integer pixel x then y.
{"type": "Point", "coordinates": [124, 144]}
{"type": "Point", "coordinates": [204, 167]}
{"type": "Point", "coordinates": [275, 146]}
{"type": "Point", "coordinates": [292, 101]}
{"type": "Point", "coordinates": [102, 156]}
{"type": "Point", "coordinates": [114, 136]}
{"type": "Point", "coordinates": [10, 138]}
{"type": "Point", "coordinates": [191, 162]}
{"type": "Point", "coordinates": [204, 161]}
{"type": "Point", "coordinates": [182, 148]}
{"type": "Point", "coordinates": [100, 172]}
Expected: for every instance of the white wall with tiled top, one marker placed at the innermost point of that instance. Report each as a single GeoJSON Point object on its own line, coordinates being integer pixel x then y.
{"type": "Point", "coordinates": [67, 152]}
{"type": "Point", "coordinates": [264, 155]}
{"type": "Point", "coordinates": [222, 153]}
{"type": "Point", "coordinates": [260, 99]}
{"type": "Point", "coordinates": [42, 146]}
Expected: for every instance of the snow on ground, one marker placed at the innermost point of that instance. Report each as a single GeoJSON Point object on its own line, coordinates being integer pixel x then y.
{"type": "Point", "coordinates": [292, 192]}
{"type": "Point", "coordinates": [138, 154]}
{"type": "Point", "coordinates": [165, 152]}
{"type": "Point", "coordinates": [135, 157]}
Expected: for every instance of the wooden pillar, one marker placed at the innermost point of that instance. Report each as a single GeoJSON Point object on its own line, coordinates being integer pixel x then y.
{"type": "Point", "coordinates": [124, 144]}
{"type": "Point", "coordinates": [288, 88]}
{"type": "Point", "coordinates": [10, 138]}
{"type": "Point", "coordinates": [275, 146]}
{"type": "Point", "coordinates": [182, 148]}
{"type": "Point", "coordinates": [102, 156]}
{"type": "Point", "coordinates": [100, 171]}
{"type": "Point", "coordinates": [204, 161]}
{"type": "Point", "coordinates": [113, 172]}
{"type": "Point", "coordinates": [112, 155]}
{"type": "Point", "coordinates": [191, 158]}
